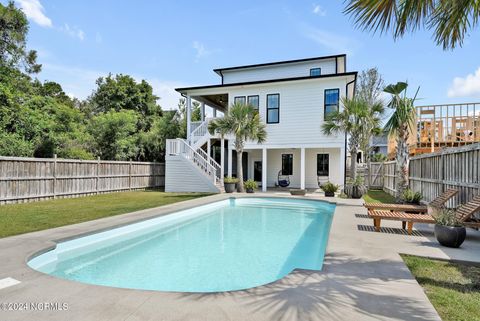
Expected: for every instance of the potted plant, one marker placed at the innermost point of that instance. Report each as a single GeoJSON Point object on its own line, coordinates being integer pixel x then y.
{"type": "Point", "coordinates": [448, 230]}
{"type": "Point", "coordinates": [250, 185]}
{"type": "Point", "coordinates": [411, 197]}
{"type": "Point", "coordinates": [355, 188]}
{"type": "Point", "coordinates": [230, 184]}
{"type": "Point", "coordinates": [329, 189]}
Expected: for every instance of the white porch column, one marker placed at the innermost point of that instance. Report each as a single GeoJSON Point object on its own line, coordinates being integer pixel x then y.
{"type": "Point", "coordinates": [302, 168]}
{"type": "Point", "coordinates": [214, 112]}
{"type": "Point", "coordinates": [188, 106]}
{"type": "Point", "coordinates": [202, 111]}
{"type": "Point", "coordinates": [230, 169]}
{"type": "Point", "coordinates": [222, 157]}
{"type": "Point", "coordinates": [264, 170]}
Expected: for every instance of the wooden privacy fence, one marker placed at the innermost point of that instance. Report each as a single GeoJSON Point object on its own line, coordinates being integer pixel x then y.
{"type": "Point", "coordinates": [28, 179]}
{"type": "Point", "coordinates": [459, 168]}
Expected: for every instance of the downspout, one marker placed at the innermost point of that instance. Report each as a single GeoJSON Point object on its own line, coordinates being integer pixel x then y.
{"type": "Point", "coordinates": [221, 74]}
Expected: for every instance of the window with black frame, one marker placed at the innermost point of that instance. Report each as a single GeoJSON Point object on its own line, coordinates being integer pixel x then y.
{"type": "Point", "coordinates": [287, 164]}
{"type": "Point", "coordinates": [315, 72]}
{"type": "Point", "coordinates": [322, 164]}
{"type": "Point", "coordinates": [332, 99]}
{"type": "Point", "coordinates": [254, 101]}
{"type": "Point", "coordinates": [239, 100]}
{"type": "Point", "coordinates": [273, 108]}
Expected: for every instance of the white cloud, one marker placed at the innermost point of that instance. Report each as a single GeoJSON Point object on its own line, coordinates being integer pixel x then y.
{"type": "Point", "coordinates": [466, 86]}
{"type": "Point", "coordinates": [33, 9]}
{"type": "Point", "coordinates": [201, 50]}
{"type": "Point", "coordinates": [318, 10]}
{"type": "Point", "coordinates": [73, 32]}
{"type": "Point", "coordinates": [166, 91]}
{"type": "Point", "coordinates": [331, 41]}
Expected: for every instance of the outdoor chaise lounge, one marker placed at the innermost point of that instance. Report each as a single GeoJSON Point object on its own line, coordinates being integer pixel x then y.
{"type": "Point", "coordinates": [439, 201]}
{"type": "Point", "coordinates": [464, 214]}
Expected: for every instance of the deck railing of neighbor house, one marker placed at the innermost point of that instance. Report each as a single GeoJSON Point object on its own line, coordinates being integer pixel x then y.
{"type": "Point", "coordinates": [30, 179]}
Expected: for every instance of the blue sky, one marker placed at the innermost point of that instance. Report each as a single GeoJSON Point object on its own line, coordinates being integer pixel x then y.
{"type": "Point", "coordinates": [178, 43]}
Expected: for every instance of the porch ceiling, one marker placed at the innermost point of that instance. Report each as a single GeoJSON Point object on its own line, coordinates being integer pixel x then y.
{"type": "Point", "coordinates": [218, 101]}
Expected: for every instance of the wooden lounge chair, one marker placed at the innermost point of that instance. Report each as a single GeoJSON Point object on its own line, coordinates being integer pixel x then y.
{"type": "Point", "coordinates": [439, 201]}
{"type": "Point", "coordinates": [464, 214]}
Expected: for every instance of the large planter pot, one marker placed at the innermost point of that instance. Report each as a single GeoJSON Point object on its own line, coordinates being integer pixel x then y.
{"type": "Point", "coordinates": [450, 236]}
{"type": "Point", "coordinates": [329, 194]}
{"type": "Point", "coordinates": [298, 192]}
{"type": "Point", "coordinates": [250, 190]}
{"type": "Point", "coordinates": [230, 187]}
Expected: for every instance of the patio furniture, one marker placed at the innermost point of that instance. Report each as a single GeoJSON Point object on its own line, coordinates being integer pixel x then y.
{"type": "Point", "coordinates": [439, 201]}
{"type": "Point", "coordinates": [283, 180]}
{"type": "Point", "coordinates": [464, 213]}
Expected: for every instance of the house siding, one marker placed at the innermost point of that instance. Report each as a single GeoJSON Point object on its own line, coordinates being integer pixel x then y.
{"type": "Point", "coordinates": [290, 70]}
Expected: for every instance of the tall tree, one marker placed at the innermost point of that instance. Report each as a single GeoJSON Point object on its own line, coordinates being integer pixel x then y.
{"type": "Point", "coordinates": [13, 35]}
{"type": "Point", "coordinates": [400, 124]}
{"type": "Point", "coordinates": [450, 20]}
{"type": "Point", "coordinates": [352, 120]}
{"type": "Point", "coordinates": [244, 123]}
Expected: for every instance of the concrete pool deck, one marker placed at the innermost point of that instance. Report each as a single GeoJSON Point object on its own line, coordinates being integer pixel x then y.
{"type": "Point", "coordinates": [363, 277]}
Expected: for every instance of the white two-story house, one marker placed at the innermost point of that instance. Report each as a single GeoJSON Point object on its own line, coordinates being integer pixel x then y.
{"type": "Point", "coordinates": [293, 98]}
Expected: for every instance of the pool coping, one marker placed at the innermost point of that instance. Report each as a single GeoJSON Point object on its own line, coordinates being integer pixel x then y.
{"type": "Point", "coordinates": [21, 248]}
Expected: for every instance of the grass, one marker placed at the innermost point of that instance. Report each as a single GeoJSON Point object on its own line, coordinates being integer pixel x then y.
{"type": "Point", "coordinates": [378, 196]}
{"type": "Point", "coordinates": [453, 288]}
{"type": "Point", "coordinates": [23, 218]}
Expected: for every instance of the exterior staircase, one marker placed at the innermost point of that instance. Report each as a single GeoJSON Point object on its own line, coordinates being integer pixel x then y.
{"type": "Point", "coordinates": [189, 168]}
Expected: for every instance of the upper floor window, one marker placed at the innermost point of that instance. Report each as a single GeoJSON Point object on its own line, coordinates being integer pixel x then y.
{"type": "Point", "coordinates": [332, 98]}
{"type": "Point", "coordinates": [315, 72]}
{"type": "Point", "coordinates": [239, 99]}
{"type": "Point", "coordinates": [322, 164]}
{"type": "Point", "coordinates": [273, 108]}
{"type": "Point", "coordinates": [254, 101]}
{"type": "Point", "coordinates": [287, 164]}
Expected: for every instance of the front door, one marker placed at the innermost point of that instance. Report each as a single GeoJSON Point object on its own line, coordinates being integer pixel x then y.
{"type": "Point", "coordinates": [257, 171]}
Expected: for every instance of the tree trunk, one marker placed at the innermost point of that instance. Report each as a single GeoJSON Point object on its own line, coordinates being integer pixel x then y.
{"type": "Point", "coordinates": [240, 171]}
{"type": "Point", "coordinates": [401, 170]}
{"type": "Point", "coordinates": [353, 164]}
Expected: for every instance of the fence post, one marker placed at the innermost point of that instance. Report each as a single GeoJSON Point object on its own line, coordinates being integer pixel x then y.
{"type": "Point", "coordinates": [97, 176]}
{"type": "Point", "coordinates": [130, 175]}
{"type": "Point", "coordinates": [442, 171]}
{"type": "Point", "coordinates": [54, 176]}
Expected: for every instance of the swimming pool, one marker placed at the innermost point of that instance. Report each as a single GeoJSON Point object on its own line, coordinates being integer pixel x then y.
{"type": "Point", "coordinates": [227, 245]}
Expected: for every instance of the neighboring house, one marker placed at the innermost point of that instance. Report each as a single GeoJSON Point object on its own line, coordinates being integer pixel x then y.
{"type": "Point", "coordinates": [379, 144]}
{"type": "Point", "coordinates": [293, 98]}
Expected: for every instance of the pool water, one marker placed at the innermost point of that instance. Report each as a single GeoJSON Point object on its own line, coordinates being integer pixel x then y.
{"type": "Point", "coordinates": [228, 245]}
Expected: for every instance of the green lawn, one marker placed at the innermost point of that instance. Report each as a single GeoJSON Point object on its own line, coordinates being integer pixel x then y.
{"type": "Point", "coordinates": [24, 218]}
{"type": "Point", "coordinates": [378, 196]}
{"type": "Point", "coordinates": [453, 288]}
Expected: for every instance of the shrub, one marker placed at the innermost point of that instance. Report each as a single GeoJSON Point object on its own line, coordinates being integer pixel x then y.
{"type": "Point", "coordinates": [229, 179]}
{"type": "Point", "coordinates": [446, 217]}
{"type": "Point", "coordinates": [412, 197]}
{"type": "Point", "coordinates": [376, 158]}
{"type": "Point", "coordinates": [250, 184]}
{"type": "Point", "coordinates": [329, 187]}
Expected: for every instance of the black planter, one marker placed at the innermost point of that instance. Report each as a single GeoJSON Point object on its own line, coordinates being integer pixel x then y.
{"type": "Point", "coordinates": [329, 194]}
{"type": "Point", "coordinates": [250, 190]}
{"type": "Point", "coordinates": [450, 236]}
{"type": "Point", "coordinates": [230, 187]}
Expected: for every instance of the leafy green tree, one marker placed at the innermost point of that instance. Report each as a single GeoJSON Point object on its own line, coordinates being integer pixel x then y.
{"type": "Point", "coordinates": [114, 134]}
{"type": "Point", "coordinates": [244, 124]}
{"type": "Point", "coordinates": [182, 111]}
{"type": "Point", "coordinates": [13, 34]}
{"type": "Point", "coordinates": [400, 124]}
{"type": "Point", "coordinates": [450, 20]}
{"type": "Point", "coordinates": [356, 115]}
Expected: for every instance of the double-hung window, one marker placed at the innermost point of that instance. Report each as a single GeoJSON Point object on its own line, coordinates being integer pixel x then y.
{"type": "Point", "coordinates": [254, 101]}
{"type": "Point", "coordinates": [287, 164]}
{"type": "Point", "coordinates": [239, 100]}
{"type": "Point", "coordinates": [273, 108]}
{"type": "Point", "coordinates": [332, 98]}
{"type": "Point", "coordinates": [322, 164]}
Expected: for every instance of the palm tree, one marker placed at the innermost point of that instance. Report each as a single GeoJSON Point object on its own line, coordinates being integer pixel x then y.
{"type": "Point", "coordinates": [399, 125]}
{"type": "Point", "coordinates": [450, 20]}
{"type": "Point", "coordinates": [358, 120]}
{"type": "Point", "coordinates": [243, 122]}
